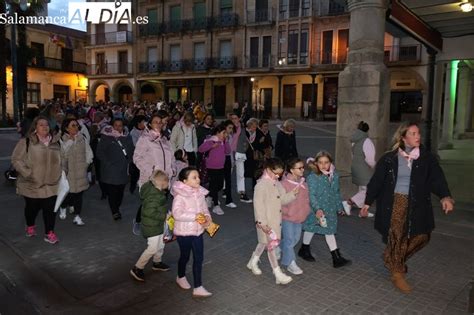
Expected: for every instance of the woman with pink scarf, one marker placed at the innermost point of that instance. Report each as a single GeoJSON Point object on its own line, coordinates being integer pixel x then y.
{"type": "Point", "coordinates": [402, 185]}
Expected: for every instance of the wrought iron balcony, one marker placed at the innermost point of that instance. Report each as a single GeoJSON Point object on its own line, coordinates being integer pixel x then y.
{"type": "Point", "coordinates": [202, 23]}
{"type": "Point", "coordinates": [57, 64]}
{"type": "Point", "coordinates": [151, 29]}
{"type": "Point", "coordinates": [110, 68]}
{"type": "Point", "coordinates": [200, 64]}
{"type": "Point", "coordinates": [261, 16]}
{"type": "Point", "coordinates": [174, 65]}
{"type": "Point", "coordinates": [226, 20]}
{"type": "Point", "coordinates": [150, 67]}
{"type": "Point", "coordinates": [403, 54]}
{"type": "Point", "coordinates": [110, 38]}
{"type": "Point", "coordinates": [224, 63]}
{"type": "Point", "coordinates": [258, 62]}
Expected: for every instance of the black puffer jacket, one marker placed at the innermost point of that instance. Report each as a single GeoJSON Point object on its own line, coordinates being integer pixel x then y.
{"type": "Point", "coordinates": [427, 177]}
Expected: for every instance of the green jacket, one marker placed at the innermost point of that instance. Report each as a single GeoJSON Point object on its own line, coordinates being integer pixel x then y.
{"type": "Point", "coordinates": [154, 209]}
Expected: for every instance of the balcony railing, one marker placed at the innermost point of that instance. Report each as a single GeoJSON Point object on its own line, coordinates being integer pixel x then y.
{"type": "Point", "coordinates": [150, 67]}
{"type": "Point", "coordinates": [191, 25]}
{"type": "Point", "coordinates": [337, 7]}
{"type": "Point", "coordinates": [261, 16]}
{"type": "Point", "coordinates": [259, 62]}
{"type": "Point", "coordinates": [58, 64]}
{"type": "Point", "coordinates": [198, 64]}
{"type": "Point", "coordinates": [404, 53]}
{"type": "Point", "coordinates": [110, 38]}
{"type": "Point", "coordinates": [226, 20]}
{"type": "Point", "coordinates": [110, 68]}
{"type": "Point", "coordinates": [151, 29]}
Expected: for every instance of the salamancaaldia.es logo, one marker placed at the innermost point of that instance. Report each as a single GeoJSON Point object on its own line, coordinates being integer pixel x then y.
{"type": "Point", "coordinates": [116, 12]}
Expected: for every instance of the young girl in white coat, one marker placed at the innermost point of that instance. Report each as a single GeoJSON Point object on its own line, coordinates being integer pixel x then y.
{"type": "Point", "coordinates": [269, 196]}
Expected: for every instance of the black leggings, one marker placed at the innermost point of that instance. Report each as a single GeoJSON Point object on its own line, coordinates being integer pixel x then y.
{"type": "Point", "coordinates": [115, 196]}
{"type": "Point", "coordinates": [34, 205]}
{"type": "Point", "coordinates": [216, 182]}
{"type": "Point", "coordinates": [73, 200]}
{"type": "Point", "coordinates": [186, 245]}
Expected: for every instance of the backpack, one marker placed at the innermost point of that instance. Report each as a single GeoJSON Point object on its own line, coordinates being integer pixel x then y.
{"type": "Point", "coordinates": [11, 174]}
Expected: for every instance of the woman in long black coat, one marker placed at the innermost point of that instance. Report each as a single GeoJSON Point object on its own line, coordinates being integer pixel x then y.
{"type": "Point", "coordinates": [285, 144]}
{"type": "Point", "coordinates": [402, 185]}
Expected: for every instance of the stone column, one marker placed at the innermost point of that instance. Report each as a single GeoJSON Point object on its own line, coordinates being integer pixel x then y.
{"type": "Point", "coordinates": [364, 85]}
{"type": "Point", "coordinates": [448, 111]}
{"type": "Point", "coordinates": [470, 105]}
{"type": "Point", "coordinates": [313, 108]}
{"type": "Point", "coordinates": [463, 98]}
{"type": "Point", "coordinates": [428, 107]}
{"type": "Point", "coordinates": [437, 100]}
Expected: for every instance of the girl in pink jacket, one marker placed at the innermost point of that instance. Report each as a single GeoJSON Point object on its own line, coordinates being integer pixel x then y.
{"type": "Point", "coordinates": [189, 204]}
{"type": "Point", "coordinates": [293, 214]}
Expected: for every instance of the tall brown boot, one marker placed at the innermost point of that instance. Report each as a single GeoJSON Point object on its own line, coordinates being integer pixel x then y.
{"type": "Point", "coordinates": [398, 280]}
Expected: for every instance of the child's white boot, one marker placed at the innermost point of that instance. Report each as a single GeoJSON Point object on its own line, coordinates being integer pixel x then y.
{"type": "Point", "coordinates": [253, 264]}
{"type": "Point", "coordinates": [281, 277]}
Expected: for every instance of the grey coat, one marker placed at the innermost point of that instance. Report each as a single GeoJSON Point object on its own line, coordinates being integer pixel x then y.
{"type": "Point", "coordinates": [361, 171]}
{"type": "Point", "coordinates": [113, 161]}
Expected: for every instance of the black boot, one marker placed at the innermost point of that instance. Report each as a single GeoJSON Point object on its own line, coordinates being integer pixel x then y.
{"type": "Point", "coordinates": [305, 253]}
{"type": "Point", "coordinates": [338, 260]}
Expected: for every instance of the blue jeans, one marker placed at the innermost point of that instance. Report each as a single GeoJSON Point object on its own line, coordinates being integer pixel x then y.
{"type": "Point", "coordinates": [186, 244]}
{"type": "Point", "coordinates": [291, 233]}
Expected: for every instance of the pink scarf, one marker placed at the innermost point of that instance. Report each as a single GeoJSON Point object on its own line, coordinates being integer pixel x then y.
{"type": "Point", "coordinates": [252, 136]}
{"type": "Point", "coordinates": [329, 173]}
{"type": "Point", "coordinates": [268, 176]}
{"type": "Point", "coordinates": [235, 138]}
{"type": "Point", "coordinates": [299, 184]}
{"type": "Point", "coordinates": [154, 134]}
{"type": "Point", "coordinates": [413, 155]}
{"type": "Point", "coordinates": [45, 140]}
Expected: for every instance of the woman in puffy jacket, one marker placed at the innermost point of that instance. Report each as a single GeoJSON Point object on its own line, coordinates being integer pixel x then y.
{"type": "Point", "coordinates": [76, 155]}
{"type": "Point", "coordinates": [37, 159]}
{"type": "Point", "coordinates": [152, 152]}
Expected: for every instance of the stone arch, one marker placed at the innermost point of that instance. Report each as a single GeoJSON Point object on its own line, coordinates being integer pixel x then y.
{"type": "Point", "coordinates": [148, 92]}
{"type": "Point", "coordinates": [123, 91]}
{"type": "Point", "coordinates": [408, 95]}
{"type": "Point", "coordinates": [100, 90]}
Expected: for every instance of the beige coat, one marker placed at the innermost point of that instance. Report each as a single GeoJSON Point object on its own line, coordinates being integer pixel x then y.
{"type": "Point", "coordinates": [76, 155]}
{"type": "Point", "coordinates": [39, 169]}
{"type": "Point", "coordinates": [268, 199]}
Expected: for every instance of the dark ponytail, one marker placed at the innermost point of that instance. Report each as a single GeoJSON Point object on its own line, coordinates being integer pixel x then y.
{"type": "Point", "coordinates": [363, 126]}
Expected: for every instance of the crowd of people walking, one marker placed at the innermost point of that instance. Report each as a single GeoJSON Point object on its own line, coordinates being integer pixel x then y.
{"type": "Point", "coordinates": [177, 153]}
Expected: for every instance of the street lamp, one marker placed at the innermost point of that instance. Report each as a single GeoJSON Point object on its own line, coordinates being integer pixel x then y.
{"type": "Point", "coordinates": [466, 7]}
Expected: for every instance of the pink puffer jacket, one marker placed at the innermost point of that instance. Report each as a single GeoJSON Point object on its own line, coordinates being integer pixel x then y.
{"type": "Point", "coordinates": [153, 153]}
{"type": "Point", "coordinates": [188, 202]}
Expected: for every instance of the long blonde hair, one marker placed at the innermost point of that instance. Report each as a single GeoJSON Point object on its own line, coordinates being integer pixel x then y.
{"type": "Point", "coordinates": [313, 162]}
{"type": "Point", "coordinates": [400, 133]}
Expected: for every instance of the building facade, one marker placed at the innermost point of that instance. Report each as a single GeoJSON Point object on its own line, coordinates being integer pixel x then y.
{"type": "Point", "coordinates": [57, 67]}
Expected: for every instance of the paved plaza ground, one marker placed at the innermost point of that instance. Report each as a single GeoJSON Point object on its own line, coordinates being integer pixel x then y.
{"type": "Point", "coordinates": [87, 271]}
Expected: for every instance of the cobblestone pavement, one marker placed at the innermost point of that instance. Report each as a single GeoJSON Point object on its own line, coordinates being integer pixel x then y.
{"type": "Point", "coordinates": [87, 272]}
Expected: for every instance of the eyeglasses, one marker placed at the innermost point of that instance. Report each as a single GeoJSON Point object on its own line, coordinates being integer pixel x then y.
{"type": "Point", "coordinates": [277, 174]}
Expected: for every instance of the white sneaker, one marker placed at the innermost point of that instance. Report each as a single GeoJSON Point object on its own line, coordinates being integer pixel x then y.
{"type": "Point", "coordinates": [183, 283]}
{"type": "Point", "coordinates": [218, 210]}
{"type": "Point", "coordinates": [201, 292]}
{"type": "Point", "coordinates": [209, 202]}
{"type": "Point", "coordinates": [71, 209]}
{"type": "Point", "coordinates": [369, 215]}
{"type": "Point", "coordinates": [62, 213]}
{"type": "Point", "coordinates": [347, 207]}
{"type": "Point", "coordinates": [294, 269]}
{"type": "Point", "coordinates": [231, 205]}
{"type": "Point", "coordinates": [77, 220]}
